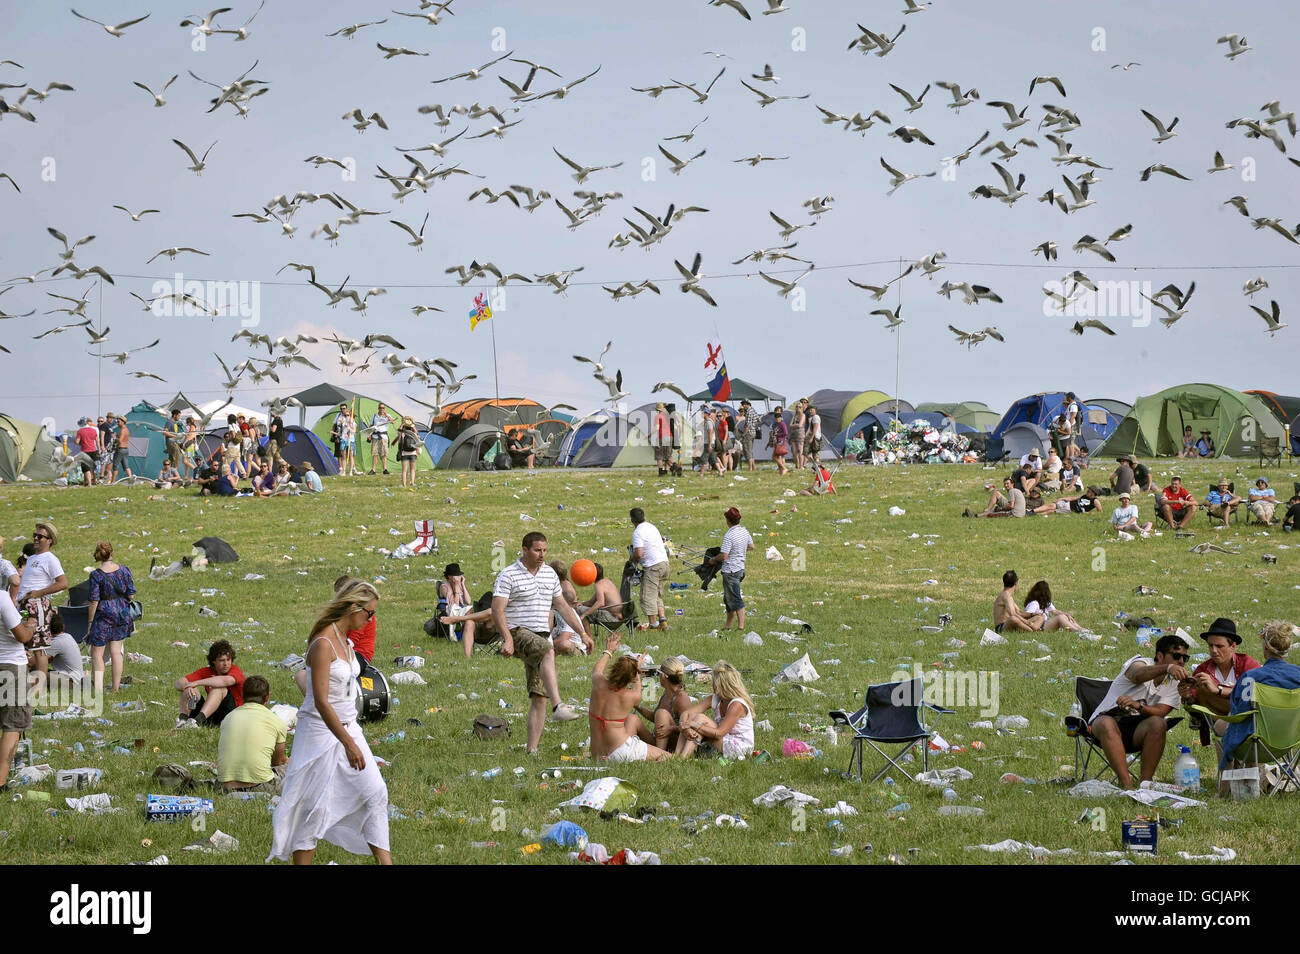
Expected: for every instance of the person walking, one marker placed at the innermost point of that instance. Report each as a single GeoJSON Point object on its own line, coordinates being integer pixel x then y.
{"type": "Point", "coordinates": [661, 438]}
{"type": "Point", "coordinates": [779, 441]}
{"type": "Point", "coordinates": [109, 620]}
{"type": "Point", "coordinates": [648, 549]}
{"type": "Point", "coordinates": [796, 434]}
{"type": "Point", "coordinates": [408, 450]}
{"type": "Point", "coordinates": [332, 788]}
{"type": "Point", "coordinates": [348, 434]}
{"type": "Point", "coordinates": [379, 439]}
{"type": "Point", "coordinates": [735, 544]}
{"type": "Point", "coordinates": [747, 427]}
{"type": "Point", "coordinates": [523, 598]}
{"type": "Point", "coordinates": [42, 577]}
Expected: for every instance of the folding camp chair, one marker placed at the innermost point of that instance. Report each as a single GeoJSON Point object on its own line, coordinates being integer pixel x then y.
{"type": "Point", "coordinates": [1276, 712]}
{"type": "Point", "coordinates": [628, 622]}
{"type": "Point", "coordinates": [1227, 518]}
{"type": "Point", "coordinates": [1089, 693]}
{"type": "Point", "coordinates": [1270, 451]}
{"type": "Point", "coordinates": [892, 714]}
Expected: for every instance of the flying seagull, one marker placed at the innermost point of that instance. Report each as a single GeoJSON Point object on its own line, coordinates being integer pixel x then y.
{"type": "Point", "coordinates": [1271, 318]}
{"type": "Point", "coordinates": [1163, 132]}
{"type": "Point", "coordinates": [158, 96]}
{"type": "Point", "coordinates": [692, 277]}
{"type": "Point", "coordinates": [119, 29]}
{"type": "Point", "coordinates": [1079, 327]}
{"type": "Point", "coordinates": [582, 171]}
{"type": "Point", "coordinates": [198, 164]}
{"type": "Point", "coordinates": [473, 74]}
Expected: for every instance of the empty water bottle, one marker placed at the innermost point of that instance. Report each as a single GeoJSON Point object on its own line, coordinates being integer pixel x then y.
{"type": "Point", "coordinates": [949, 795]}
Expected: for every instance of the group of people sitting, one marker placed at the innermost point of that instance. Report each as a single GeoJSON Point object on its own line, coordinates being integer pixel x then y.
{"type": "Point", "coordinates": [1022, 490]}
{"type": "Point", "coordinates": [1133, 716]}
{"type": "Point", "coordinates": [1039, 613]}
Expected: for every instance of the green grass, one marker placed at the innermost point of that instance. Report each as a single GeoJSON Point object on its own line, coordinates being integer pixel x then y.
{"type": "Point", "coordinates": [863, 575]}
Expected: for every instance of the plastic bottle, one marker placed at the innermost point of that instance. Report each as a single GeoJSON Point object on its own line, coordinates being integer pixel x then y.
{"type": "Point", "coordinates": [960, 810]}
{"type": "Point", "coordinates": [949, 795]}
{"type": "Point", "coordinates": [1187, 772]}
{"type": "Point", "coordinates": [492, 773]}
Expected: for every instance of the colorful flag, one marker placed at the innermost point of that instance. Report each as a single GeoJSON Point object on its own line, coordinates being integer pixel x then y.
{"type": "Point", "coordinates": [719, 383]}
{"type": "Point", "coordinates": [480, 312]}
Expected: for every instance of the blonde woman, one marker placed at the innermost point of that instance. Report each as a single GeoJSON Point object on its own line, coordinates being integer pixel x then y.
{"type": "Point", "coordinates": [615, 726]}
{"type": "Point", "coordinates": [672, 704]}
{"type": "Point", "coordinates": [333, 789]}
{"type": "Point", "coordinates": [730, 732]}
{"type": "Point", "coordinates": [109, 619]}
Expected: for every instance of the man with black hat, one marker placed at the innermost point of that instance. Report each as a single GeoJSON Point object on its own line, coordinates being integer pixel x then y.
{"type": "Point", "coordinates": [1212, 681]}
{"type": "Point", "coordinates": [1121, 481]}
{"type": "Point", "coordinates": [1131, 716]}
{"type": "Point", "coordinates": [1205, 446]}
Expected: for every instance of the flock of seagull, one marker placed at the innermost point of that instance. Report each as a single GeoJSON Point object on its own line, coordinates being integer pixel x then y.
{"type": "Point", "coordinates": [527, 86]}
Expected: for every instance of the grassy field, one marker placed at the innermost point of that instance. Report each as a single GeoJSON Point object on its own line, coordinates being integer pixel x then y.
{"type": "Point", "coordinates": [867, 582]}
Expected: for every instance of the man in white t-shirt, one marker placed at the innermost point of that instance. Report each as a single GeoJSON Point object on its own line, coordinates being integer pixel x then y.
{"type": "Point", "coordinates": [15, 708]}
{"type": "Point", "coordinates": [523, 597]}
{"type": "Point", "coordinates": [1124, 519]}
{"type": "Point", "coordinates": [43, 576]}
{"type": "Point", "coordinates": [1131, 716]}
{"type": "Point", "coordinates": [735, 544]}
{"type": "Point", "coordinates": [9, 576]}
{"type": "Point", "coordinates": [648, 549]}
{"type": "Point", "coordinates": [379, 439]}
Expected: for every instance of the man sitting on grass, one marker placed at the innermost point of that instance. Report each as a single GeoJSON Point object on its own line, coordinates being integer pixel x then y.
{"type": "Point", "coordinates": [1124, 519]}
{"type": "Point", "coordinates": [224, 682]}
{"type": "Point", "coordinates": [1131, 716]}
{"type": "Point", "coordinates": [250, 753]}
{"type": "Point", "coordinates": [1007, 502]}
{"type": "Point", "coordinates": [1177, 506]}
{"type": "Point", "coordinates": [1007, 613]}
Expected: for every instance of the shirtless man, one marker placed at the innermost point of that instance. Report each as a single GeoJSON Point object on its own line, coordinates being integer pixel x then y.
{"type": "Point", "coordinates": [563, 638]}
{"type": "Point", "coordinates": [614, 696]}
{"type": "Point", "coordinates": [606, 603]}
{"type": "Point", "coordinates": [478, 625]}
{"type": "Point", "coordinates": [1007, 613]}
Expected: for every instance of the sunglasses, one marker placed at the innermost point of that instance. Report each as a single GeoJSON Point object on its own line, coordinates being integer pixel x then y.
{"type": "Point", "coordinates": [370, 614]}
{"type": "Point", "coordinates": [1181, 657]}
{"type": "Point", "coordinates": [41, 536]}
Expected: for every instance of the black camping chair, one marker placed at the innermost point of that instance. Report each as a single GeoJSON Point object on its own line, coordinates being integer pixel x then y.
{"type": "Point", "coordinates": [628, 622]}
{"type": "Point", "coordinates": [707, 569]}
{"type": "Point", "coordinates": [217, 550]}
{"type": "Point", "coordinates": [892, 714]}
{"type": "Point", "coordinates": [631, 578]}
{"type": "Point", "coordinates": [1089, 693]}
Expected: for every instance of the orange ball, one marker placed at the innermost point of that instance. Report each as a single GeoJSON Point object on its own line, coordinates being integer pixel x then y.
{"type": "Point", "coordinates": [582, 573]}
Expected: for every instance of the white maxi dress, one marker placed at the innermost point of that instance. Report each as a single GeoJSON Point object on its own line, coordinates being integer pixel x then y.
{"type": "Point", "coordinates": [324, 797]}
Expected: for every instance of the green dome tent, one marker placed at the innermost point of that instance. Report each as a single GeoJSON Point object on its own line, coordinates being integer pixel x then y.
{"type": "Point", "coordinates": [26, 450]}
{"type": "Point", "coordinates": [1154, 428]}
{"type": "Point", "coordinates": [974, 414]}
{"type": "Point", "coordinates": [365, 409]}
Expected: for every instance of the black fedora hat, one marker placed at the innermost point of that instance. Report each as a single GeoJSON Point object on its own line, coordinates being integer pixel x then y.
{"type": "Point", "coordinates": [1222, 627]}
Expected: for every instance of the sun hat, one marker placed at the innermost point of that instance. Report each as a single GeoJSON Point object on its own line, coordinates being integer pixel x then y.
{"type": "Point", "coordinates": [1125, 496]}
{"type": "Point", "coordinates": [1223, 627]}
{"type": "Point", "coordinates": [453, 569]}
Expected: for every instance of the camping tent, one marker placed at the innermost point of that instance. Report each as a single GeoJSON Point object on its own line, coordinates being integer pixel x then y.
{"type": "Point", "coordinates": [459, 415]}
{"type": "Point", "coordinates": [469, 446]}
{"type": "Point", "coordinates": [974, 414]}
{"type": "Point", "coordinates": [1098, 422]}
{"type": "Point", "coordinates": [27, 450]}
{"type": "Point", "coordinates": [1287, 411]}
{"type": "Point", "coordinates": [1019, 439]}
{"type": "Point", "coordinates": [147, 448]}
{"type": "Point", "coordinates": [365, 409]}
{"type": "Point", "coordinates": [1118, 408]}
{"type": "Point", "coordinates": [742, 390]}
{"type": "Point", "coordinates": [435, 444]}
{"type": "Point", "coordinates": [322, 395]}
{"type": "Point", "coordinates": [300, 446]}
{"type": "Point", "coordinates": [1154, 428]}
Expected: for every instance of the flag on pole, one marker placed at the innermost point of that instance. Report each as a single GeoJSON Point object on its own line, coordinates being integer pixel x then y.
{"type": "Point", "coordinates": [719, 383]}
{"type": "Point", "coordinates": [480, 311]}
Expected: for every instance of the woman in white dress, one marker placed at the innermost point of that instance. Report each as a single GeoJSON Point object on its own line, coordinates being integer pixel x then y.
{"type": "Point", "coordinates": [333, 789]}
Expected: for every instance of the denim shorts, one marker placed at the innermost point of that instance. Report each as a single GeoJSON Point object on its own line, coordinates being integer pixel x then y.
{"type": "Point", "coordinates": [731, 597]}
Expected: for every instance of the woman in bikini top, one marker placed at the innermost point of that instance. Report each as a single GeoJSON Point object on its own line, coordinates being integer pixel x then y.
{"type": "Point", "coordinates": [613, 698]}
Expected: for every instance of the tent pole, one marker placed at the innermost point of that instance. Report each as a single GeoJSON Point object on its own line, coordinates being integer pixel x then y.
{"type": "Point", "coordinates": [99, 387]}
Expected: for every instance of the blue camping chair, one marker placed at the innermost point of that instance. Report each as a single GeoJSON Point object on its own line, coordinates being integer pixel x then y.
{"type": "Point", "coordinates": [893, 713]}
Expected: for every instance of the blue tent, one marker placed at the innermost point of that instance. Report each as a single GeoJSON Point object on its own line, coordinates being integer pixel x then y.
{"type": "Point", "coordinates": [1099, 422]}
{"type": "Point", "coordinates": [147, 447]}
{"type": "Point", "coordinates": [435, 444]}
{"type": "Point", "coordinates": [577, 438]}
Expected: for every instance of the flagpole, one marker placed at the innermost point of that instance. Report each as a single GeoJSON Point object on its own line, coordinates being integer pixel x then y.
{"type": "Point", "coordinates": [496, 379]}
{"type": "Point", "coordinates": [898, 342]}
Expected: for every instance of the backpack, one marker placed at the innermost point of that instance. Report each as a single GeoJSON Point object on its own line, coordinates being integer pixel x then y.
{"type": "Point", "coordinates": [491, 727]}
{"type": "Point", "coordinates": [409, 441]}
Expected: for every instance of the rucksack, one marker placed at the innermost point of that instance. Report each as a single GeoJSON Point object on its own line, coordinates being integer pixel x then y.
{"type": "Point", "coordinates": [491, 727]}
{"type": "Point", "coordinates": [409, 441]}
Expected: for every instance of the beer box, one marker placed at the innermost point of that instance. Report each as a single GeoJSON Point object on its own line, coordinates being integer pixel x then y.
{"type": "Point", "coordinates": [176, 807]}
{"type": "Point", "coordinates": [78, 778]}
{"type": "Point", "coordinates": [1139, 835]}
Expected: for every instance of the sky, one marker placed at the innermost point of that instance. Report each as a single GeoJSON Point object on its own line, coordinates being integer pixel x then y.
{"type": "Point", "coordinates": [105, 143]}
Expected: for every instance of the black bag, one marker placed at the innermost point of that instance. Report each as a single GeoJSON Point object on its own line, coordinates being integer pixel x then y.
{"type": "Point", "coordinates": [409, 441]}
{"type": "Point", "coordinates": [491, 727]}
{"type": "Point", "coordinates": [503, 461]}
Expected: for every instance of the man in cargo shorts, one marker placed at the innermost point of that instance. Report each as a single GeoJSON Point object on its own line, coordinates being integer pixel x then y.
{"type": "Point", "coordinates": [523, 597]}
{"type": "Point", "coordinates": [15, 707]}
{"type": "Point", "coordinates": [648, 549]}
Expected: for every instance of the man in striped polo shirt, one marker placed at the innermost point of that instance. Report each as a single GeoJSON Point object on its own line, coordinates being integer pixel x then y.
{"type": "Point", "coordinates": [522, 600]}
{"type": "Point", "coordinates": [735, 544]}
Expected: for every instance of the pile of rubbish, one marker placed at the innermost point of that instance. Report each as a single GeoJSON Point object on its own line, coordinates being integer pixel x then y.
{"type": "Point", "coordinates": [920, 443]}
